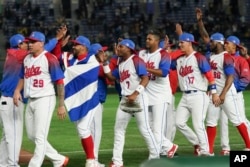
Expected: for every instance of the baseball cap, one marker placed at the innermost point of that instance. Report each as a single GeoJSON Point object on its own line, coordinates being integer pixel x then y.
{"type": "Point", "coordinates": [94, 48]}
{"type": "Point", "coordinates": [235, 40]}
{"type": "Point", "coordinates": [15, 40]}
{"type": "Point", "coordinates": [129, 43]}
{"type": "Point", "coordinates": [162, 43]}
{"type": "Point", "coordinates": [82, 40]}
{"type": "Point", "coordinates": [187, 37]}
{"type": "Point", "coordinates": [36, 36]}
{"type": "Point", "coordinates": [218, 37]}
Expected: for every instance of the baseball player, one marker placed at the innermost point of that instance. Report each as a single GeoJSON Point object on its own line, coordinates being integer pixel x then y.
{"type": "Point", "coordinates": [170, 128]}
{"type": "Point", "coordinates": [79, 56]}
{"type": "Point", "coordinates": [133, 79]}
{"type": "Point", "coordinates": [223, 69]}
{"type": "Point", "coordinates": [10, 115]}
{"type": "Point", "coordinates": [212, 121]}
{"type": "Point", "coordinates": [216, 42]}
{"type": "Point", "coordinates": [194, 72]}
{"type": "Point", "coordinates": [96, 127]}
{"type": "Point", "coordinates": [13, 123]}
{"type": "Point", "coordinates": [241, 75]}
{"type": "Point", "coordinates": [158, 89]}
{"type": "Point", "coordinates": [40, 69]}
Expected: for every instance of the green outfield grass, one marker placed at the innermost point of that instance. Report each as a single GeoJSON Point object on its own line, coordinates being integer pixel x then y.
{"type": "Point", "coordinates": [63, 137]}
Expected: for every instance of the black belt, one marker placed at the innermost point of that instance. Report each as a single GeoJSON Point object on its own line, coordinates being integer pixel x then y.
{"type": "Point", "coordinates": [190, 91]}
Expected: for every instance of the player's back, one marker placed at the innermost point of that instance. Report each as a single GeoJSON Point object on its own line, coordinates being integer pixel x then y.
{"type": "Point", "coordinates": [11, 71]}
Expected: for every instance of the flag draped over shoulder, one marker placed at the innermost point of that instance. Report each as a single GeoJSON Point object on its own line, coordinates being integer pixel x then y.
{"type": "Point", "coordinates": [81, 94]}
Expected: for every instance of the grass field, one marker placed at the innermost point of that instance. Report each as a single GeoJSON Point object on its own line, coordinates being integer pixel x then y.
{"type": "Point", "coordinates": [64, 138]}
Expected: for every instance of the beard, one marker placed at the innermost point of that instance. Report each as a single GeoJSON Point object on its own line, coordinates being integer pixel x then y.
{"type": "Point", "coordinates": [75, 53]}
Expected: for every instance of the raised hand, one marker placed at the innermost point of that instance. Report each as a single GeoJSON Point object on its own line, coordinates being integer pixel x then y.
{"type": "Point", "coordinates": [178, 29]}
{"type": "Point", "coordinates": [198, 14]}
{"type": "Point", "coordinates": [244, 52]}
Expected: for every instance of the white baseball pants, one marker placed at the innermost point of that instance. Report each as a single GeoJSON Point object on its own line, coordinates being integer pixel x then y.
{"type": "Point", "coordinates": [11, 118]}
{"type": "Point", "coordinates": [38, 116]}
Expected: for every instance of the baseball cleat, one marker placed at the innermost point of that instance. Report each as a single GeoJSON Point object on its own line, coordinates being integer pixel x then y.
{"type": "Point", "coordinates": [246, 149]}
{"type": "Point", "coordinates": [172, 151]}
{"type": "Point", "coordinates": [197, 150]}
{"type": "Point", "coordinates": [93, 163]}
{"type": "Point", "coordinates": [100, 165]}
{"type": "Point", "coordinates": [113, 165]}
{"type": "Point", "coordinates": [66, 161]}
{"type": "Point", "coordinates": [206, 154]}
{"type": "Point", "coordinates": [225, 152]}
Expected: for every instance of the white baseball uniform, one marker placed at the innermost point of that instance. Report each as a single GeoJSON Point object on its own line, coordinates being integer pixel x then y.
{"type": "Point", "coordinates": [241, 79]}
{"type": "Point", "coordinates": [194, 101]}
{"type": "Point", "coordinates": [159, 94]}
{"type": "Point", "coordinates": [39, 73]}
{"type": "Point", "coordinates": [129, 74]}
{"type": "Point", "coordinates": [11, 116]}
{"type": "Point", "coordinates": [222, 66]}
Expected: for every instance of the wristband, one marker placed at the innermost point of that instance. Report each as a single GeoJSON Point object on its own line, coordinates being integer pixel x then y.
{"type": "Point", "coordinates": [106, 63]}
{"type": "Point", "coordinates": [212, 88]}
{"type": "Point", "coordinates": [106, 69]}
{"type": "Point", "coordinates": [213, 91]}
{"type": "Point", "coordinates": [140, 89]}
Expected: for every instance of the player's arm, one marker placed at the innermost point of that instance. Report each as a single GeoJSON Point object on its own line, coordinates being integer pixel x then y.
{"type": "Point", "coordinates": [53, 42]}
{"type": "Point", "coordinates": [202, 29]}
{"type": "Point", "coordinates": [61, 112]}
{"type": "Point", "coordinates": [17, 93]}
{"type": "Point", "coordinates": [140, 88]}
{"type": "Point", "coordinates": [178, 29]}
{"type": "Point", "coordinates": [244, 77]}
{"type": "Point", "coordinates": [212, 88]}
{"type": "Point", "coordinates": [57, 76]}
{"type": "Point", "coordinates": [229, 71]}
{"type": "Point", "coordinates": [164, 65]}
{"type": "Point", "coordinates": [111, 75]}
{"type": "Point", "coordinates": [244, 53]}
{"type": "Point", "coordinates": [20, 85]}
{"type": "Point", "coordinates": [141, 71]}
{"type": "Point", "coordinates": [205, 69]}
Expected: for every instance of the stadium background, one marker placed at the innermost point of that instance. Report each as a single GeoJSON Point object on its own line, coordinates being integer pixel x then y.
{"type": "Point", "coordinates": [104, 21]}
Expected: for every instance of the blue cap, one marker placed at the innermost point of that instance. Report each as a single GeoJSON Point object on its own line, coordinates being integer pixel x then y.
{"type": "Point", "coordinates": [187, 37]}
{"type": "Point", "coordinates": [15, 40]}
{"type": "Point", "coordinates": [218, 37]}
{"type": "Point", "coordinates": [161, 44]}
{"type": "Point", "coordinates": [235, 40]}
{"type": "Point", "coordinates": [36, 36]}
{"type": "Point", "coordinates": [94, 48]}
{"type": "Point", "coordinates": [82, 40]}
{"type": "Point", "coordinates": [127, 42]}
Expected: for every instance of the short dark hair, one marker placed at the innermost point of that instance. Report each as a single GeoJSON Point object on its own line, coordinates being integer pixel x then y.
{"type": "Point", "coordinates": [155, 32]}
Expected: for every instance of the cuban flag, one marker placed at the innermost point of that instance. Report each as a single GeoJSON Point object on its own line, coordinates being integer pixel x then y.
{"type": "Point", "coordinates": [81, 94]}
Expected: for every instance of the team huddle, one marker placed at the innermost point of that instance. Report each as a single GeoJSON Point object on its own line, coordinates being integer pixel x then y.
{"type": "Point", "coordinates": [212, 86]}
